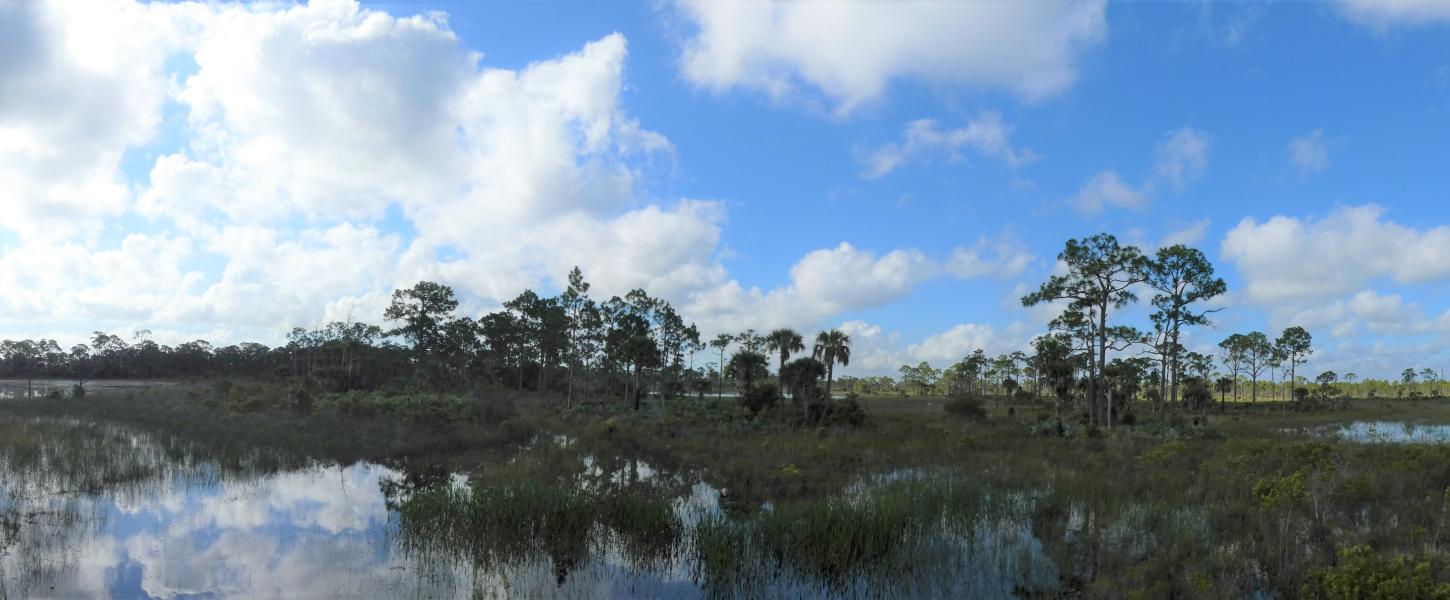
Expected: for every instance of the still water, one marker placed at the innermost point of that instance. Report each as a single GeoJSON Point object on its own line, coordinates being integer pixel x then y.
{"type": "Point", "coordinates": [95, 510]}
{"type": "Point", "coordinates": [1394, 432]}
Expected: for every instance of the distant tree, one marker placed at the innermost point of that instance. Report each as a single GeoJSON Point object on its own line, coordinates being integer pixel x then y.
{"type": "Point", "coordinates": [1294, 345]}
{"type": "Point", "coordinates": [974, 366]}
{"type": "Point", "coordinates": [80, 363]}
{"type": "Point", "coordinates": [1327, 378]}
{"type": "Point", "coordinates": [1259, 354]}
{"type": "Point", "coordinates": [800, 377]}
{"type": "Point", "coordinates": [1224, 385]}
{"type": "Point", "coordinates": [752, 341]}
{"type": "Point", "coordinates": [581, 326]}
{"type": "Point", "coordinates": [1057, 363]}
{"type": "Point", "coordinates": [424, 311]}
{"type": "Point", "coordinates": [721, 342]}
{"type": "Point", "coordinates": [1101, 275]}
{"type": "Point", "coordinates": [784, 342]}
{"type": "Point", "coordinates": [832, 347]}
{"type": "Point", "coordinates": [747, 367]}
{"type": "Point", "coordinates": [1183, 278]}
{"type": "Point", "coordinates": [1233, 352]}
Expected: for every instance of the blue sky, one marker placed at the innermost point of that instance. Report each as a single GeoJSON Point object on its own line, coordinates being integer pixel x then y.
{"type": "Point", "coordinates": [905, 172]}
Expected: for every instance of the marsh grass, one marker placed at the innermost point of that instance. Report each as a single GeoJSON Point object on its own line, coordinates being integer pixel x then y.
{"type": "Point", "coordinates": [907, 503]}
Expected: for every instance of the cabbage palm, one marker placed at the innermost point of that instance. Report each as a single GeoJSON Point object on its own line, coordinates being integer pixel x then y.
{"type": "Point", "coordinates": [746, 367]}
{"type": "Point", "coordinates": [832, 347]}
{"type": "Point", "coordinates": [786, 342]}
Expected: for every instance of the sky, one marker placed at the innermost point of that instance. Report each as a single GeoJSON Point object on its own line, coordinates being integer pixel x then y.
{"type": "Point", "coordinates": [903, 171]}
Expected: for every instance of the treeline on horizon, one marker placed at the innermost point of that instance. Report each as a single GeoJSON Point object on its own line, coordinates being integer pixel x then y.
{"type": "Point", "coordinates": [576, 346]}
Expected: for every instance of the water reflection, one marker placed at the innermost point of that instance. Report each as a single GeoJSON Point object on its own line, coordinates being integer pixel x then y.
{"type": "Point", "coordinates": [1395, 432]}
{"type": "Point", "coordinates": [94, 510]}
{"type": "Point", "coordinates": [90, 510]}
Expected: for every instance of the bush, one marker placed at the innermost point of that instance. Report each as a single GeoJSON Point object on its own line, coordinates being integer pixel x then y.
{"type": "Point", "coordinates": [494, 410]}
{"type": "Point", "coordinates": [1361, 573]}
{"type": "Point", "coordinates": [759, 398]}
{"type": "Point", "coordinates": [846, 411]}
{"type": "Point", "coordinates": [78, 391]}
{"type": "Point", "coordinates": [966, 407]}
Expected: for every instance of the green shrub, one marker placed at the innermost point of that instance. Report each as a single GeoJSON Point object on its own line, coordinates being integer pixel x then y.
{"type": "Point", "coordinates": [846, 411]}
{"type": "Point", "coordinates": [1362, 573]}
{"type": "Point", "coordinates": [760, 397]}
{"type": "Point", "coordinates": [967, 407]}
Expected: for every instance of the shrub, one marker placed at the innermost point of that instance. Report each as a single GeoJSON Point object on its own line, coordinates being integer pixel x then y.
{"type": "Point", "coordinates": [78, 391]}
{"type": "Point", "coordinates": [1361, 573]}
{"type": "Point", "coordinates": [760, 397]}
{"type": "Point", "coordinates": [846, 411]}
{"type": "Point", "coordinates": [967, 407]}
{"type": "Point", "coordinates": [494, 410]}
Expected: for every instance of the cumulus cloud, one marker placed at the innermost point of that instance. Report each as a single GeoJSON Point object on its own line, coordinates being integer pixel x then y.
{"type": "Point", "coordinates": [987, 134]}
{"type": "Point", "coordinates": [300, 128]}
{"type": "Point", "coordinates": [1288, 258]}
{"type": "Point", "coordinates": [823, 283]}
{"type": "Point", "coordinates": [1380, 15]}
{"type": "Point", "coordinates": [1309, 154]}
{"type": "Point", "coordinates": [77, 88]}
{"type": "Point", "coordinates": [848, 52]}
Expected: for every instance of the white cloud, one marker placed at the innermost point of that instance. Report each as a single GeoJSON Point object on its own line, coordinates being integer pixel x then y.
{"type": "Point", "coordinates": [1180, 158]}
{"type": "Point", "coordinates": [1003, 256]}
{"type": "Point", "coordinates": [1183, 156]}
{"type": "Point", "coordinates": [1378, 313]}
{"type": "Point", "coordinates": [302, 125]}
{"type": "Point", "coordinates": [1188, 235]}
{"type": "Point", "coordinates": [1309, 154]}
{"type": "Point", "coordinates": [987, 134]}
{"type": "Point", "coordinates": [849, 52]}
{"type": "Point", "coordinates": [822, 284]}
{"type": "Point", "coordinates": [1287, 258]}
{"type": "Point", "coordinates": [875, 351]}
{"type": "Point", "coordinates": [1107, 189]}
{"type": "Point", "coordinates": [1382, 14]}
{"type": "Point", "coordinates": [77, 88]}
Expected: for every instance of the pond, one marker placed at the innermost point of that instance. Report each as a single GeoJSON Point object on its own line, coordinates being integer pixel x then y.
{"type": "Point", "coordinates": [1394, 432]}
{"type": "Point", "coordinates": [39, 388]}
{"type": "Point", "coordinates": [89, 509]}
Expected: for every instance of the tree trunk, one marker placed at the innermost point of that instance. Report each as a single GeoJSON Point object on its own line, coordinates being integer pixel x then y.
{"type": "Point", "coordinates": [1102, 360]}
{"type": "Point", "coordinates": [1174, 349]}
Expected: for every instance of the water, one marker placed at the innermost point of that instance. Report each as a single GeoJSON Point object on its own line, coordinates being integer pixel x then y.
{"type": "Point", "coordinates": [1394, 432]}
{"type": "Point", "coordinates": [92, 510]}
{"type": "Point", "coordinates": [39, 388]}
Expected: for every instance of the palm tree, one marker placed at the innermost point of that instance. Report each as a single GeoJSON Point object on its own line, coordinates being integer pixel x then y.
{"type": "Point", "coordinates": [831, 347]}
{"type": "Point", "coordinates": [801, 375]}
{"type": "Point", "coordinates": [785, 341]}
{"type": "Point", "coordinates": [746, 367]}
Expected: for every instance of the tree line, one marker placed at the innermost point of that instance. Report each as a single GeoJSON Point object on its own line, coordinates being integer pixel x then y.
{"type": "Point", "coordinates": [638, 346]}
{"type": "Point", "coordinates": [571, 344]}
